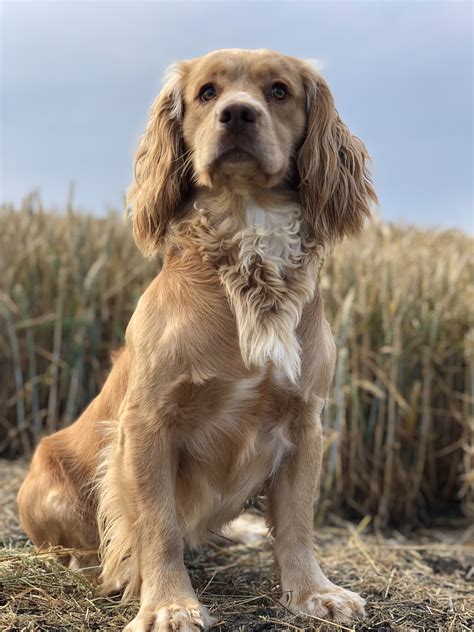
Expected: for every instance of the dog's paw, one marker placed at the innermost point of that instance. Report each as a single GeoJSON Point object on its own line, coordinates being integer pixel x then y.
{"type": "Point", "coordinates": [329, 603]}
{"type": "Point", "coordinates": [182, 617]}
{"type": "Point", "coordinates": [112, 587]}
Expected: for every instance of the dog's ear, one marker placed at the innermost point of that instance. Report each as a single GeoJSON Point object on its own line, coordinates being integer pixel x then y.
{"type": "Point", "coordinates": [335, 186]}
{"type": "Point", "coordinates": [160, 168]}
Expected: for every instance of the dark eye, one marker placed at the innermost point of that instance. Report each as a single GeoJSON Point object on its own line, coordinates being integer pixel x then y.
{"type": "Point", "coordinates": [279, 91]}
{"type": "Point", "coordinates": [207, 92]}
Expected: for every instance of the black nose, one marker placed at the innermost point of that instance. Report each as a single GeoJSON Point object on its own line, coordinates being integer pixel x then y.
{"type": "Point", "coordinates": [237, 116]}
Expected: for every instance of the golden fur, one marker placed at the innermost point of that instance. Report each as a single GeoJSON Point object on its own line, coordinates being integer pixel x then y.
{"type": "Point", "coordinates": [244, 177]}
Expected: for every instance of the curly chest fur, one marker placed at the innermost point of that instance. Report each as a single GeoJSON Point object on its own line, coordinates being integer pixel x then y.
{"type": "Point", "coordinates": [269, 276]}
{"type": "Point", "coordinates": [268, 270]}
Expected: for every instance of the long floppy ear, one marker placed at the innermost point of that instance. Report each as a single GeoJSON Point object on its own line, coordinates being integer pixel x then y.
{"type": "Point", "coordinates": [335, 186]}
{"type": "Point", "coordinates": [160, 168]}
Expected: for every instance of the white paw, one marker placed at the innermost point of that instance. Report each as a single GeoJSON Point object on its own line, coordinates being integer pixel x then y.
{"type": "Point", "coordinates": [189, 617]}
{"type": "Point", "coordinates": [329, 603]}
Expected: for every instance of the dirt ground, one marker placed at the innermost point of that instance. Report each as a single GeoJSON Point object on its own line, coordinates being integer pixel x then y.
{"type": "Point", "coordinates": [423, 582]}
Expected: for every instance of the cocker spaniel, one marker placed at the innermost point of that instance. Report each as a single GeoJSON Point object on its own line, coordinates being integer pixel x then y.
{"type": "Point", "coordinates": [243, 178]}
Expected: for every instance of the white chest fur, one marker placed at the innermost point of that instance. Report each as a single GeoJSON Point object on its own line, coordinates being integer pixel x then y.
{"type": "Point", "coordinates": [268, 281]}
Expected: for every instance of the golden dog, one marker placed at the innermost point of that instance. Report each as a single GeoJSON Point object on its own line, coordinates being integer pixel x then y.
{"type": "Point", "coordinates": [243, 178]}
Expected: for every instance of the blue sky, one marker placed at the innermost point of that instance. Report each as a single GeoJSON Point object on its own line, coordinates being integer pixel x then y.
{"type": "Point", "coordinates": [78, 78]}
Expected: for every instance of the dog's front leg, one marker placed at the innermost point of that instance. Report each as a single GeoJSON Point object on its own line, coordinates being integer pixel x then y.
{"type": "Point", "coordinates": [167, 599]}
{"type": "Point", "coordinates": [305, 588]}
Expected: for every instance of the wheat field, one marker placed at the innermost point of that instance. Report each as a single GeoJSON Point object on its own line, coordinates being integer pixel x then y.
{"type": "Point", "coordinates": [399, 426]}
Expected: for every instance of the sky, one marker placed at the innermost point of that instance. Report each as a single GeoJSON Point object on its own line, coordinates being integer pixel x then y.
{"type": "Point", "coordinates": [77, 79]}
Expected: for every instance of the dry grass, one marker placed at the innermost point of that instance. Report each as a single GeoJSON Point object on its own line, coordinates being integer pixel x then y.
{"type": "Point", "coordinates": [410, 584]}
{"type": "Point", "coordinates": [399, 428]}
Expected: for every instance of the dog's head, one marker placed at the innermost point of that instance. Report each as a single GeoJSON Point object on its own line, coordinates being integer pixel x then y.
{"type": "Point", "coordinates": [248, 120]}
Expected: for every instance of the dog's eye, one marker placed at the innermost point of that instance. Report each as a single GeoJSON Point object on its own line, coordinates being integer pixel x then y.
{"type": "Point", "coordinates": [207, 92]}
{"type": "Point", "coordinates": [279, 91]}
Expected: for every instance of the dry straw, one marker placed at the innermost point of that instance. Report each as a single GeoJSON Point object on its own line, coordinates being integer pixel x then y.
{"type": "Point", "coordinates": [399, 426]}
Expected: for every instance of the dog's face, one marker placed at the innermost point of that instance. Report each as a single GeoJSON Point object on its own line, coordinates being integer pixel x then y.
{"type": "Point", "coordinates": [245, 120]}
{"type": "Point", "coordinates": [244, 116]}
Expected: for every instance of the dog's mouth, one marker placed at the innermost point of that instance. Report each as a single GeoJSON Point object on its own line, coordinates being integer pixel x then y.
{"type": "Point", "coordinates": [237, 157]}
{"type": "Point", "coordinates": [242, 158]}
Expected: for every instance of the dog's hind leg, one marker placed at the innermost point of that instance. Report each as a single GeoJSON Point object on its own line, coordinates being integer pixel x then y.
{"type": "Point", "coordinates": [54, 513]}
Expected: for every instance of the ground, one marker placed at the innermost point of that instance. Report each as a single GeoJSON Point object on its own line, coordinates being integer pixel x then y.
{"type": "Point", "coordinates": [424, 582]}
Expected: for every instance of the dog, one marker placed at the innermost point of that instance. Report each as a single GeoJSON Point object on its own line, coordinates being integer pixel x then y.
{"type": "Point", "coordinates": [243, 180]}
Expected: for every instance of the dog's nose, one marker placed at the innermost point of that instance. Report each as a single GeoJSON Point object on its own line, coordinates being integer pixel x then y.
{"type": "Point", "coordinates": [237, 116]}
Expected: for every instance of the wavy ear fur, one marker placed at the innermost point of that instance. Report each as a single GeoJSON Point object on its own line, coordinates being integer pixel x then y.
{"type": "Point", "coordinates": [335, 186]}
{"type": "Point", "coordinates": [160, 168]}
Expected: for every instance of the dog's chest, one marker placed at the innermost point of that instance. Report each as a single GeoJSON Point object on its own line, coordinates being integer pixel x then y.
{"type": "Point", "coordinates": [268, 281]}
{"type": "Point", "coordinates": [243, 425]}
{"type": "Point", "coordinates": [230, 456]}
